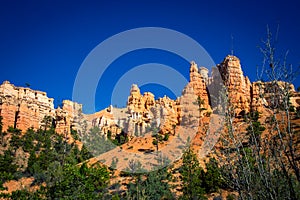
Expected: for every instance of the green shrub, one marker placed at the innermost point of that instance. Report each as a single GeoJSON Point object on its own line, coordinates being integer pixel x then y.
{"type": "Point", "coordinates": [166, 137]}
{"type": "Point", "coordinates": [212, 179]}
{"type": "Point", "coordinates": [154, 142]}
{"type": "Point", "coordinates": [230, 197]}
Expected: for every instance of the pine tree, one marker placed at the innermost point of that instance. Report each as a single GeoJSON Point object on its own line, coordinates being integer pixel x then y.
{"type": "Point", "coordinates": [191, 173]}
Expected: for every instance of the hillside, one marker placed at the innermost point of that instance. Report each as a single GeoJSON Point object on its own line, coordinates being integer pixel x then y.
{"type": "Point", "coordinates": [240, 133]}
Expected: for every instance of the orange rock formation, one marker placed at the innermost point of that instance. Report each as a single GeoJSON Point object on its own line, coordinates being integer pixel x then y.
{"type": "Point", "coordinates": [24, 108]}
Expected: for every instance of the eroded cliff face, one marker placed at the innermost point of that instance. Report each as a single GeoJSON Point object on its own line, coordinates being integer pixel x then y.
{"type": "Point", "coordinates": [141, 115]}
{"type": "Point", "coordinates": [203, 90]}
{"type": "Point", "coordinates": [238, 86]}
{"type": "Point", "coordinates": [25, 108]}
{"type": "Point", "coordinates": [68, 117]}
{"type": "Point", "coordinates": [198, 83]}
{"type": "Point", "coordinates": [272, 94]}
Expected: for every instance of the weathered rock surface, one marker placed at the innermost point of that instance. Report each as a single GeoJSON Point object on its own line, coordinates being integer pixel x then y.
{"type": "Point", "coordinates": [188, 109]}
{"type": "Point", "coordinates": [25, 108]}
{"type": "Point", "coordinates": [198, 83]}
{"type": "Point", "coordinates": [238, 86]}
{"type": "Point", "coordinates": [141, 115]}
{"type": "Point", "coordinates": [68, 117]}
{"type": "Point", "coordinates": [271, 95]}
{"type": "Point", "coordinates": [169, 114]}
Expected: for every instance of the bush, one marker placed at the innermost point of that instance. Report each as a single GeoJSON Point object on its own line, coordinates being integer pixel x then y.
{"type": "Point", "coordinates": [74, 134]}
{"type": "Point", "coordinates": [230, 197]}
{"type": "Point", "coordinates": [154, 142]}
{"type": "Point", "coordinates": [212, 180]}
{"type": "Point", "coordinates": [166, 137]}
{"type": "Point", "coordinates": [292, 108]}
{"type": "Point", "coordinates": [79, 183]}
{"type": "Point", "coordinates": [298, 113]}
{"type": "Point", "coordinates": [109, 135]}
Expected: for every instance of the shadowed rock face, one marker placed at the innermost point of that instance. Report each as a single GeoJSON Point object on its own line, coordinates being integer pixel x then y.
{"type": "Point", "coordinates": [24, 108]}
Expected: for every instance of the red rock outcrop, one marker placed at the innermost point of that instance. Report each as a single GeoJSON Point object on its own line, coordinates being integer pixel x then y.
{"type": "Point", "coordinates": [271, 95]}
{"type": "Point", "coordinates": [169, 116]}
{"type": "Point", "coordinates": [188, 110]}
{"type": "Point", "coordinates": [142, 113]}
{"type": "Point", "coordinates": [25, 108]}
{"type": "Point", "coordinates": [106, 121]}
{"type": "Point", "coordinates": [68, 117]}
{"type": "Point", "coordinates": [238, 86]}
{"type": "Point", "coordinates": [198, 83]}
{"type": "Point", "coordinates": [138, 103]}
{"type": "Point", "coordinates": [139, 106]}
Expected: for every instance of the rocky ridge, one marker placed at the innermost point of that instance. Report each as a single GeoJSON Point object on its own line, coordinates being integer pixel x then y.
{"type": "Point", "coordinates": [25, 108]}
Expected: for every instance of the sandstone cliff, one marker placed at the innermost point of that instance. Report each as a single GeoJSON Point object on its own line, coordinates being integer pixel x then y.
{"type": "Point", "coordinates": [141, 114]}
{"type": "Point", "coordinates": [198, 83]}
{"type": "Point", "coordinates": [238, 86]}
{"type": "Point", "coordinates": [25, 108]}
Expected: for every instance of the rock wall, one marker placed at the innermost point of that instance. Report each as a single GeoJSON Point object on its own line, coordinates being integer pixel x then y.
{"type": "Point", "coordinates": [238, 86]}
{"type": "Point", "coordinates": [271, 95]}
{"type": "Point", "coordinates": [139, 106]}
{"type": "Point", "coordinates": [25, 108]}
{"type": "Point", "coordinates": [109, 119]}
{"type": "Point", "coordinates": [227, 83]}
{"type": "Point", "coordinates": [198, 83]}
{"type": "Point", "coordinates": [68, 117]}
{"type": "Point", "coordinates": [188, 110]}
{"type": "Point", "coordinates": [140, 116]}
{"type": "Point", "coordinates": [137, 103]}
{"type": "Point", "coordinates": [169, 114]}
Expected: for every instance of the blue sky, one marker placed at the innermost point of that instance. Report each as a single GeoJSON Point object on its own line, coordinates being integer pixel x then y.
{"type": "Point", "coordinates": [44, 43]}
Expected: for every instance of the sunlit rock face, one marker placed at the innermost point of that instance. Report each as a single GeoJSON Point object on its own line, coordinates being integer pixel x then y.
{"type": "Point", "coordinates": [238, 86]}
{"type": "Point", "coordinates": [25, 108]}
{"type": "Point", "coordinates": [198, 83]}
{"type": "Point", "coordinates": [272, 95]}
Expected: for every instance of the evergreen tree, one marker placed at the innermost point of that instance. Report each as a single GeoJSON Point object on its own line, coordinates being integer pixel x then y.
{"type": "Point", "coordinates": [1, 126]}
{"type": "Point", "coordinates": [79, 183]}
{"type": "Point", "coordinates": [212, 179]}
{"type": "Point", "coordinates": [191, 173]}
{"type": "Point", "coordinates": [153, 185]}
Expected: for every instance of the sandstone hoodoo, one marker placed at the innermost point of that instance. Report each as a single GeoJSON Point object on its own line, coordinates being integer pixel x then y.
{"type": "Point", "coordinates": [68, 117]}
{"type": "Point", "coordinates": [151, 132]}
{"type": "Point", "coordinates": [237, 84]}
{"type": "Point", "coordinates": [198, 82]}
{"type": "Point", "coordinates": [139, 105]}
{"type": "Point", "coordinates": [204, 89]}
{"type": "Point", "coordinates": [25, 108]}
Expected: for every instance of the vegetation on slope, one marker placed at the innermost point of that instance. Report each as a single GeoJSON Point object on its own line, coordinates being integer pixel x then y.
{"type": "Point", "coordinates": [260, 161]}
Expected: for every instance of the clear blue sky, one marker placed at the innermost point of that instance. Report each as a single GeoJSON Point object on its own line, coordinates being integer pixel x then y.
{"type": "Point", "coordinates": [45, 42]}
